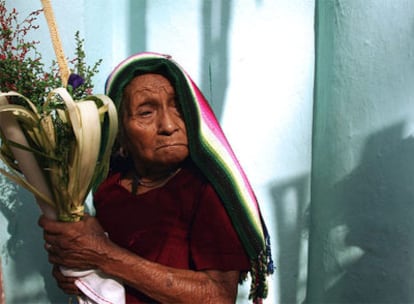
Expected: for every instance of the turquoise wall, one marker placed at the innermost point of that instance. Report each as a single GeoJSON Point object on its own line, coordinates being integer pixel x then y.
{"type": "Point", "coordinates": [362, 198]}
{"type": "Point", "coordinates": [254, 60]}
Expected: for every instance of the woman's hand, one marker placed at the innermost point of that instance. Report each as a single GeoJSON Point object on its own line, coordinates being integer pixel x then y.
{"type": "Point", "coordinates": [67, 284]}
{"type": "Point", "coordinates": [79, 245]}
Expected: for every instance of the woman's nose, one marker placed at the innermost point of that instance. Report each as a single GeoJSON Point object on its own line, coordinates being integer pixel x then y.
{"type": "Point", "coordinates": [167, 124]}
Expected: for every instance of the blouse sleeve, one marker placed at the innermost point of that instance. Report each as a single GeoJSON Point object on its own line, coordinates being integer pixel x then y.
{"type": "Point", "coordinates": [214, 243]}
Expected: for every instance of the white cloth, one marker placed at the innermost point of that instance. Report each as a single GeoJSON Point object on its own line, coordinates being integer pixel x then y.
{"type": "Point", "coordinates": [97, 287]}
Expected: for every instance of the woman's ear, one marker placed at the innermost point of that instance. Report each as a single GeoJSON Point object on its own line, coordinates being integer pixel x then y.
{"type": "Point", "coordinates": [123, 152]}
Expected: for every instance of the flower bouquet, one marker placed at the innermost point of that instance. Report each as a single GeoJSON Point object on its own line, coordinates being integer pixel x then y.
{"type": "Point", "coordinates": [56, 137]}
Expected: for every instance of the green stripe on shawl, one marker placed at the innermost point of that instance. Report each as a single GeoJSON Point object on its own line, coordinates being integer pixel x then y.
{"type": "Point", "coordinates": [213, 156]}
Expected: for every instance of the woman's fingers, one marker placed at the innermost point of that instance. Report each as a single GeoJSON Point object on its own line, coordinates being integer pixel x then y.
{"type": "Point", "coordinates": [74, 245]}
{"type": "Point", "coordinates": [67, 284]}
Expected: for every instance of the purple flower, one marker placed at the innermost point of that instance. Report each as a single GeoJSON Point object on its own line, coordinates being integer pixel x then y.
{"type": "Point", "coordinates": [75, 81]}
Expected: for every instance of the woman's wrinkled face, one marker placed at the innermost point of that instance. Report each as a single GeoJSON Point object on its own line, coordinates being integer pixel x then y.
{"type": "Point", "coordinates": [155, 133]}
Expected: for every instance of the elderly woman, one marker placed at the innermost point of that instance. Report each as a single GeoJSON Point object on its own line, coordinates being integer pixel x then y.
{"type": "Point", "coordinates": [176, 219]}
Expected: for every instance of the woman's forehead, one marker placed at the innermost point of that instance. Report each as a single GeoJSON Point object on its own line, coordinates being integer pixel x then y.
{"type": "Point", "coordinates": [151, 83]}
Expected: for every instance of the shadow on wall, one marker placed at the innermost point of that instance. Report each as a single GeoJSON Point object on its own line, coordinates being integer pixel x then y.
{"type": "Point", "coordinates": [371, 220]}
{"type": "Point", "coordinates": [291, 205]}
{"type": "Point", "coordinates": [25, 245]}
{"type": "Point", "coordinates": [137, 41]}
{"type": "Point", "coordinates": [215, 49]}
{"type": "Point", "coordinates": [2, 298]}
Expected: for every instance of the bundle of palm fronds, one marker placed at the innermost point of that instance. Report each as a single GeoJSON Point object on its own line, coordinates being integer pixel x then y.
{"type": "Point", "coordinates": [59, 152]}
{"type": "Point", "coordinates": [54, 146]}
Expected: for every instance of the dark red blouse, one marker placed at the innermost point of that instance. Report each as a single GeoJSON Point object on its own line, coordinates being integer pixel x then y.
{"type": "Point", "coordinates": [182, 224]}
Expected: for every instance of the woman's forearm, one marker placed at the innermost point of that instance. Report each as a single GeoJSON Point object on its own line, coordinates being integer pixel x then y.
{"type": "Point", "coordinates": [170, 285]}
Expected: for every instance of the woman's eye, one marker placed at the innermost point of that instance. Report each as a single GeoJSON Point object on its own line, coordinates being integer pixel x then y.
{"type": "Point", "coordinates": [176, 108]}
{"type": "Point", "coordinates": [145, 113]}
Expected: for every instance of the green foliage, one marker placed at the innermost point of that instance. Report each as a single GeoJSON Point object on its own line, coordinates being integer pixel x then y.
{"type": "Point", "coordinates": [85, 71]}
{"type": "Point", "coordinates": [21, 67]}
